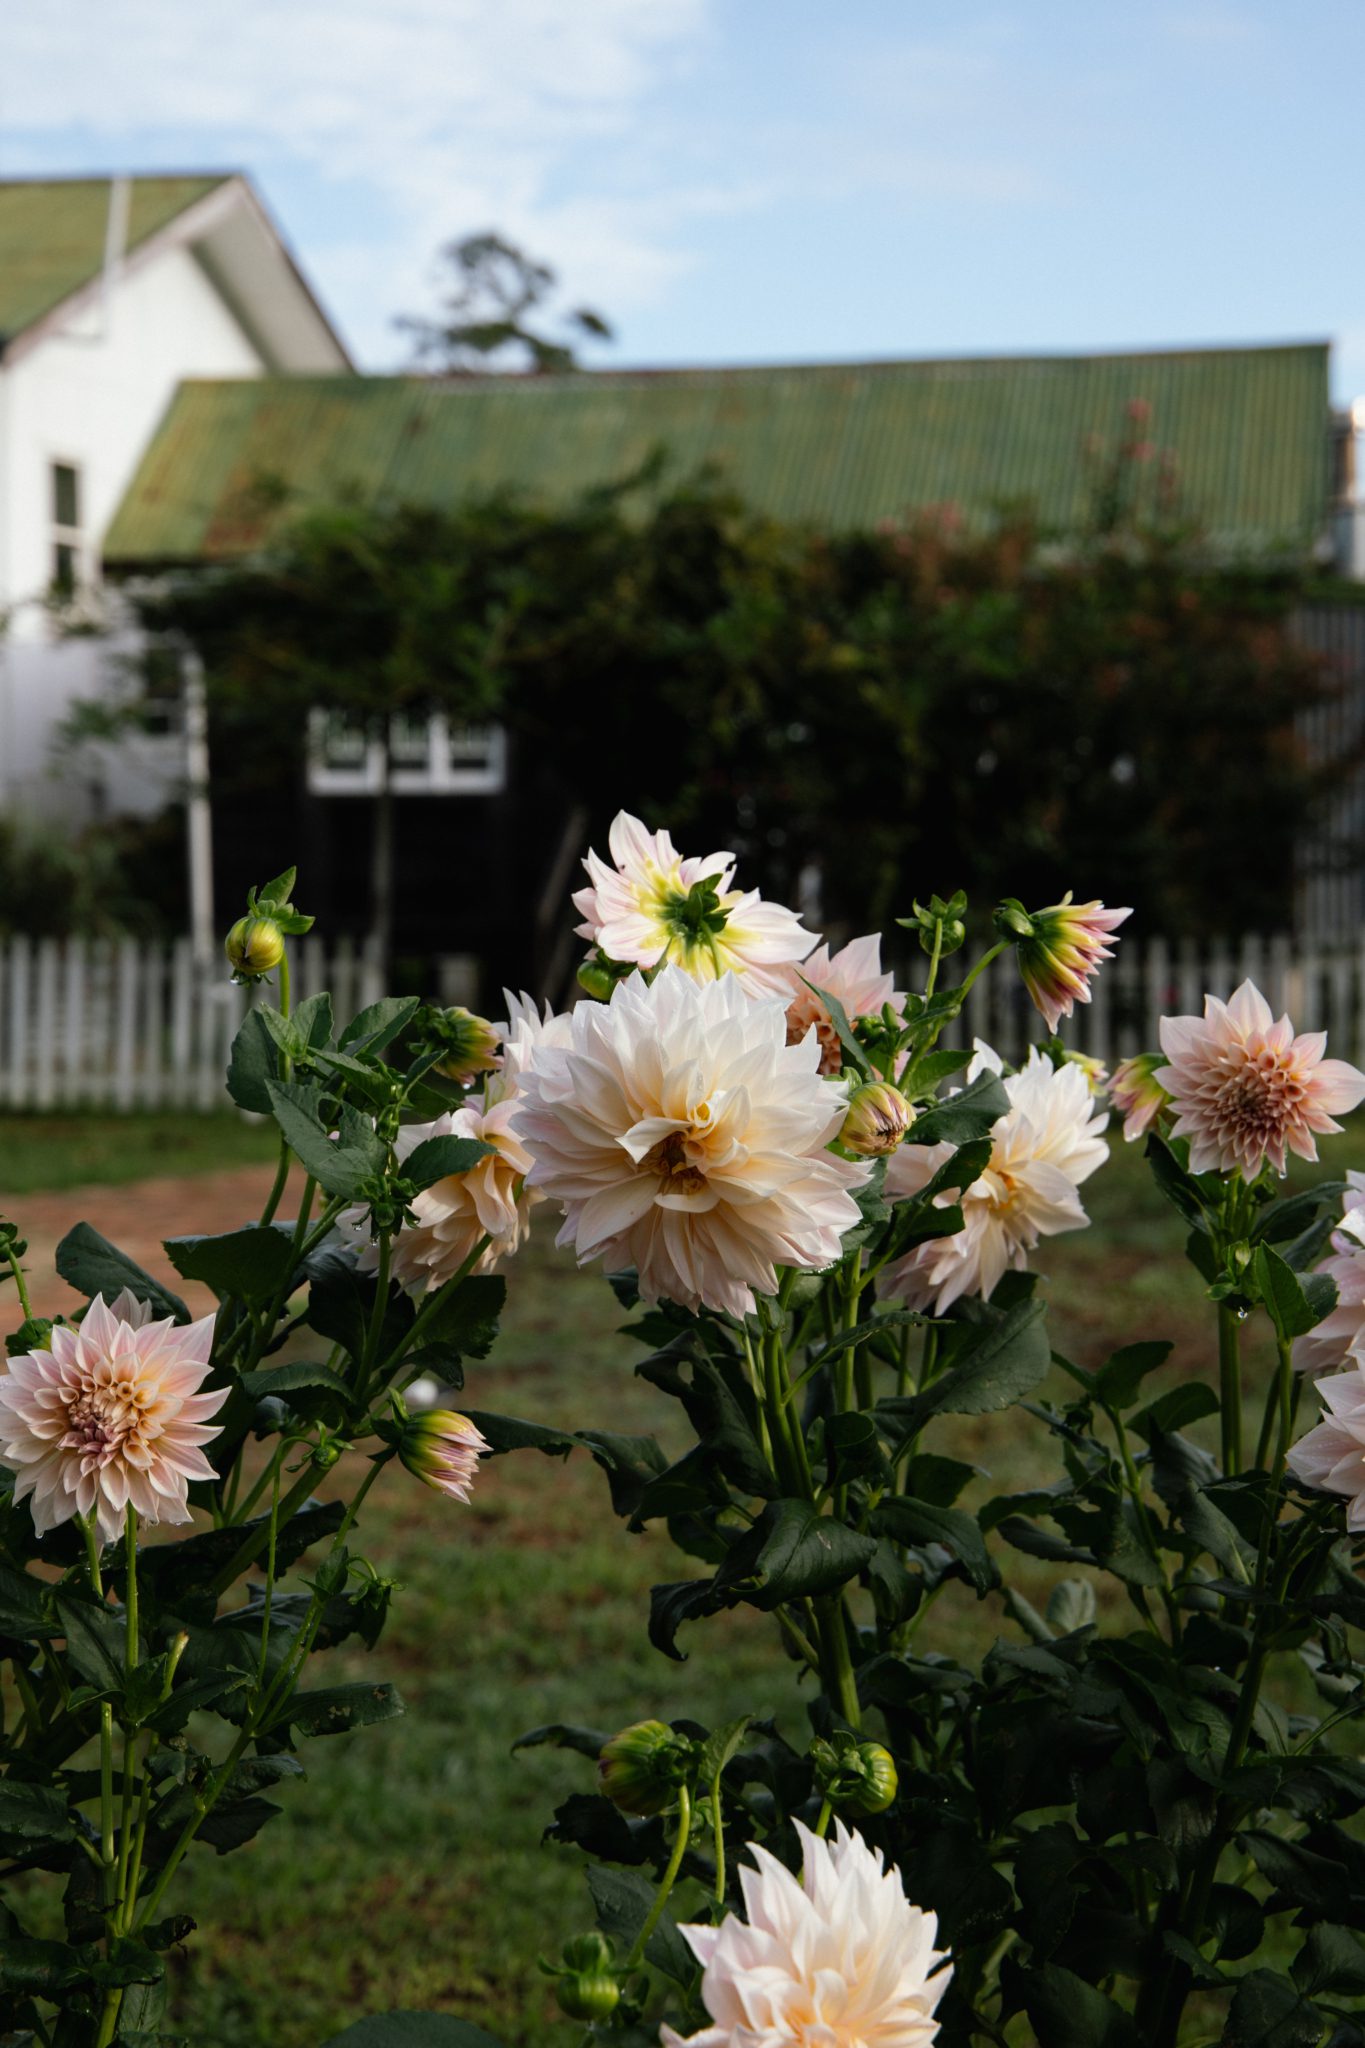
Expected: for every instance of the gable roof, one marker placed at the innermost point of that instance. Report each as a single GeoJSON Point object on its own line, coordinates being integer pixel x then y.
{"type": "Point", "coordinates": [841, 445]}
{"type": "Point", "coordinates": [52, 235]}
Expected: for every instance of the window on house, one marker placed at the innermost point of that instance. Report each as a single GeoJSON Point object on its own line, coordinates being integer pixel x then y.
{"type": "Point", "coordinates": [427, 757]}
{"type": "Point", "coordinates": [66, 527]}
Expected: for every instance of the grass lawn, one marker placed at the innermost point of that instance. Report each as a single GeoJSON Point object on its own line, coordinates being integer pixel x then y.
{"type": "Point", "coordinates": [408, 1870]}
{"type": "Point", "coordinates": [48, 1153]}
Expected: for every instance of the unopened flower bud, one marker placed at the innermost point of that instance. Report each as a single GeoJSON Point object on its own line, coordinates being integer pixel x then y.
{"type": "Point", "coordinates": [858, 1777]}
{"type": "Point", "coordinates": [441, 1449]}
{"type": "Point", "coordinates": [594, 979]}
{"type": "Point", "coordinates": [1137, 1094]}
{"type": "Point", "coordinates": [1059, 950]}
{"type": "Point", "coordinates": [878, 1118]}
{"type": "Point", "coordinates": [641, 1769]}
{"type": "Point", "coordinates": [587, 1988]}
{"type": "Point", "coordinates": [1095, 1071]}
{"type": "Point", "coordinates": [470, 1043]}
{"type": "Point", "coordinates": [254, 947]}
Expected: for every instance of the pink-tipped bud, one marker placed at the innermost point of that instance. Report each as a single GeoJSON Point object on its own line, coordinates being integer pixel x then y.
{"type": "Point", "coordinates": [470, 1043]}
{"type": "Point", "coordinates": [1060, 950]}
{"type": "Point", "coordinates": [1137, 1094]}
{"type": "Point", "coordinates": [878, 1118]}
{"type": "Point", "coordinates": [442, 1449]}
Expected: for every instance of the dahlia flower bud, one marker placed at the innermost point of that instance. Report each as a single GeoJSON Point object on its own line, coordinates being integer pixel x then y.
{"type": "Point", "coordinates": [595, 979]}
{"type": "Point", "coordinates": [441, 1449]}
{"type": "Point", "coordinates": [1095, 1071]}
{"type": "Point", "coordinates": [1136, 1093]}
{"type": "Point", "coordinates": [469, 1043]}
{"type": "Point", "coordinates": [586, 1987]}
{"type": "Point", "coordinates": [858, 1776]}
{"type": "Point", "coordinates": [254, 947]}
{"type": "Point", "coordinates": [878, 1118]}
{"type": "Point", "coordinates": [1059, 949]}
{"type": "Point", "coordinates": [641, 1769]}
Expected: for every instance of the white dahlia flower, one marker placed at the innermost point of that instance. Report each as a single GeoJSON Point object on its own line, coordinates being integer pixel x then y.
{"type": "Point", "coordinates": [1340, 1336]}
{"type": "Point", "coordinates": [683, 1135]}
{"type": "Point", "coordinates": [854, 977]}
{"type": "Point", "coordinates": [1332, 1456]}
{"type": "Point", "coordinates": [639, 910]}
{"type": "Point", "coordinates": [454, 1213]}
{"type": "Point", "coordinates": [1047, 1143]}
{"type": "Point", "coordinates": [111, 1413]}
{"type": "Point", "coordinates": [840, 1959]}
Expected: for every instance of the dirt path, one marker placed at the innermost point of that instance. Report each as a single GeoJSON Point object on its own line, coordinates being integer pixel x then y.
{"type": "Point", "coordinates": [136, 1218]}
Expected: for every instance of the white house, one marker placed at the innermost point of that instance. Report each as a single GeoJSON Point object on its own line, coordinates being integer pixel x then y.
{"type": "Point", "coordinates": [113, 291]}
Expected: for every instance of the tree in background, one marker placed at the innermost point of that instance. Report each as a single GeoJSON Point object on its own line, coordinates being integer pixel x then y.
{"type": "Point", "coordinates": [930, 708]}
{"type": "Point", "coordinates": [495, 303]}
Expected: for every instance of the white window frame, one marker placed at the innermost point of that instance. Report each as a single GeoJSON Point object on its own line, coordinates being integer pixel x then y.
{"type": "Point", "coordinates": [62, 536]}
{"type": "Point", "coordinates": [437, 774]}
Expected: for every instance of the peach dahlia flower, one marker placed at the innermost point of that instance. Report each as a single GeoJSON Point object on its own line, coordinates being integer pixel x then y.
{"type": "Point", "coordinates": [1245, 1090]}
{"type": "Point", "coordinates": [837, 1959]}
{"type": "Point", "coordinates": [111, 1414]}
{"type": "Point", "coordinates": [636, 910]}
{"type": "Point", "coordinates": [1042, 1149]}
{"type": "Point", "coordinates": [854, 977]}
{"type": "Point", "coordinates": [683, 1135]}
{"type": "Point", "coordinates": [454, 1213]}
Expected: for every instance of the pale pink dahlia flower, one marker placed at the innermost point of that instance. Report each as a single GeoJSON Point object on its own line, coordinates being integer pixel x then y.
{"type": "Point", "coordinates": [838, 1959]}
{"type": "Point", "coordinates": [1245, 1089]}
{"type": "Point", "coordinates": [454, 1213]}
{"type": "Point", "coordinates": [854, 977]}
{"type": "Point", "coordinates": [1062, 956]}
{"type": "Point", "coordinates": [111, 1414]}
{"type": "Point", "coordinates": [1332, 1456]}
{"type": "Point", "coordinates": [684, 1136]}
{"type": "Point", "coordinates": [1136, 1092]}
{"type": "Point", "coordinates": [1042, 1149]}
{"type": "Point", "coordinates": [1341, 1334]}
{"type": "Point", "coordinates": [637, 910]}
{"type": "Point", "coordinates": [442, 1449]}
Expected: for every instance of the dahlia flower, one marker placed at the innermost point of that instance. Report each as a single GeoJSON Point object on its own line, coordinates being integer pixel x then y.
{"type": "Point", "coordinates": [454, 1213]}
{"type": "Point", "coordinates": [648, 908]}
{"type": "Point", "coordinates": [1341, 1334]}
{"type": "Point", "coordinates": [522, 1032]}
{"type": "Point", "coordinates": [854, 977]}
{"type": "Point", "coordinates": [838, 1959]}
{"type": "Point", "coordinates": [1061, 952]}
{"type": "Point", "coordinates": [111, 1414]}
{"type": "Point", "coordinates": [1044, 1146]}
{"type": "Point", "coordinates": [684, 1136]}
{"type": "Point", "coordinates": [1245, 1089]}
{"type": "Point", "coordinates": [442, 1449]}
{"type": "Point", "coordinates": [1332, 1456]}
{"type": "Point", "coordinates": [1137, 1094]}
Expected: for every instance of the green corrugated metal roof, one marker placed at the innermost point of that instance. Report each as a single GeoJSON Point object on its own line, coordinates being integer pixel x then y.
{"type": "Point", "coordinates": [52, 235]}
{"type": "Point", "coordinates": [839, 446]}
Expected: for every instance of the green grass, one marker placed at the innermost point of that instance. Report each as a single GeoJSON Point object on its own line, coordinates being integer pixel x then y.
{"type": "Point", "coordinates": [42, 1153]}
{"type": "Point", "coordinates": [408, 1870]}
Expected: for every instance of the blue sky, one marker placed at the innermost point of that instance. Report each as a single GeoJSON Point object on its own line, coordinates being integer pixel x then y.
{"type": "Point", "coordinates": [760, 180]}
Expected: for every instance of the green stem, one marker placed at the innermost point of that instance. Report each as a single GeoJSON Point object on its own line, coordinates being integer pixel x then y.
{"type": "Point", "coordinates": [825, 1817]}
{"type": "Point", "coordinates": [718, 1831]}
{"type": "Point", "coordinates": [25, 1304]}
{"type": "Point", "coordinates": [928, 991]}
{"type": "Point", "coordinates": [836, 1665]}
{"type": "Point", "coordinates": [680, 1840]}
{"type": "Point", "coordinates": [1230, 1387]}
{"type": "Point", "coordinates": [281, 1176]}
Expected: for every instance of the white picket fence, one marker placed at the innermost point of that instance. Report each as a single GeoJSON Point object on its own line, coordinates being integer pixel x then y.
{"type": "Point", "coordinates": [103, 1024]}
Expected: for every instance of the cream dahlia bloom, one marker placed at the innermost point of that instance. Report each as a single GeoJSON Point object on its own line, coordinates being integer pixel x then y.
{"type": "Point", "coordinates": [1246, 1090]}
{"type": "Point", "coordinates": [840, 1959]}
{"type": "Point", "coordinates": [1042, 1149]}
{"type": "Point", "coordinates": [684, 1136]}
{"type": "Point", "coordinates": [636, 911]}
{"type": "Point", "coordinates": [1340, 1336]}
{"type": "Point", "coordinates": [111, 1414]}
{"type": "Point", "coordinates": [454, 1213]}
{"type": "Point", "coordinates": [523, 1031]}
{"type": "Point", "coordinates": [1332, 1456]}
{"type": "Point", "coordinates": [854, 977]}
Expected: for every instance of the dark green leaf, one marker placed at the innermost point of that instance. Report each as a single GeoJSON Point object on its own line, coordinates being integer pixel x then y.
{"type": "Point", "coordinates": [94, 1266]}
{"type": "Point", "coordinates": [961, 1118]}
{"type": "Point", "coordinates": [254, 1061]}
{"type": "Point", "coordinates": [561, 1735]}
{"type": "Point", "coordinates": [1268, 2011]}
{"type": "Point", "coordinates": [339, 1164]}
{"type": "Point", "coordinates": [1007, 1359]}
{"type": "Point", "coordinates": [24, 1609]}
{"type": "Point", "coordinates": [32, 1816]}
{"type": "Point", "coordinates": [250, 1263]}
{"type": "Point", "coordinates": [1062, 2007]}
{"type": "Point", "coordinates": [623, 1899]}
{"type": "Point", "coordinates": [1116, 1383]}
{"type": "Point", "coordinates": [376, 1026]}
{"type": "Point", "coordinates": [1332, 1959]}
{"type": "Point", "coordinates": [509, 1433]}
{"type": "Point", "coordinates": [437, 1158]}
{"type": "Point", "coordinates": [94, 1642]}
{"type": "Point", "coordinates": [1296, 1302]}
{"type": "Point", "coordinates": [334, 1709]}
{"type": "Point", "coordinates": [299, 1372]}
{"type": "Point", "coordinates": [791, 1551]}
{"type": "Point", "coordinates": [915, 1522]}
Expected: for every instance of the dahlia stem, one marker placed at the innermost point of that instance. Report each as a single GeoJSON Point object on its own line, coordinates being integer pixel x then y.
{"type": "Point", "coordinates": [25, 1304]}
{"type": "Point", "coordinates": [680, 1840]}
{"type": "Point", "coordinates": [1230, 1387]}
{"type": "Point", "coordinates": [826, 1815]}
{"type": "Point", "coordinates": [718, 1831]}
{"type": "Point", "coordinates": [928, 991]}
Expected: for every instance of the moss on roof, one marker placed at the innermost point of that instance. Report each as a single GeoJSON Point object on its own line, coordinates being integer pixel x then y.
{"type": "Point", "coordinates": [840, 446]}
{"type": "Point", "coordinates": [52, 236]}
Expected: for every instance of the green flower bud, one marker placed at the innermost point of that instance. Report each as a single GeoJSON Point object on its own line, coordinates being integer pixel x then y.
{"type": "Point", "coordinates": [878, 1118]}
{"type": "Point", "coordinates": [254, 947]}
{"type": "Point", "coordinates": [641, 1769]}
{"type": "Point", "coordinates": [594, 979]}
{"type": "Point", "coordinates": [857, 1777]}
{"type": "Point", "coordinates": [470, 1044]}
{"type": "Point", "coordinates": [586, 1987]}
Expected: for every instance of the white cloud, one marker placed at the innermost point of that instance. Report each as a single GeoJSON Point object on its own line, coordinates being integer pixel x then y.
{"type": "Point", "coordinates": [455, 114]}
